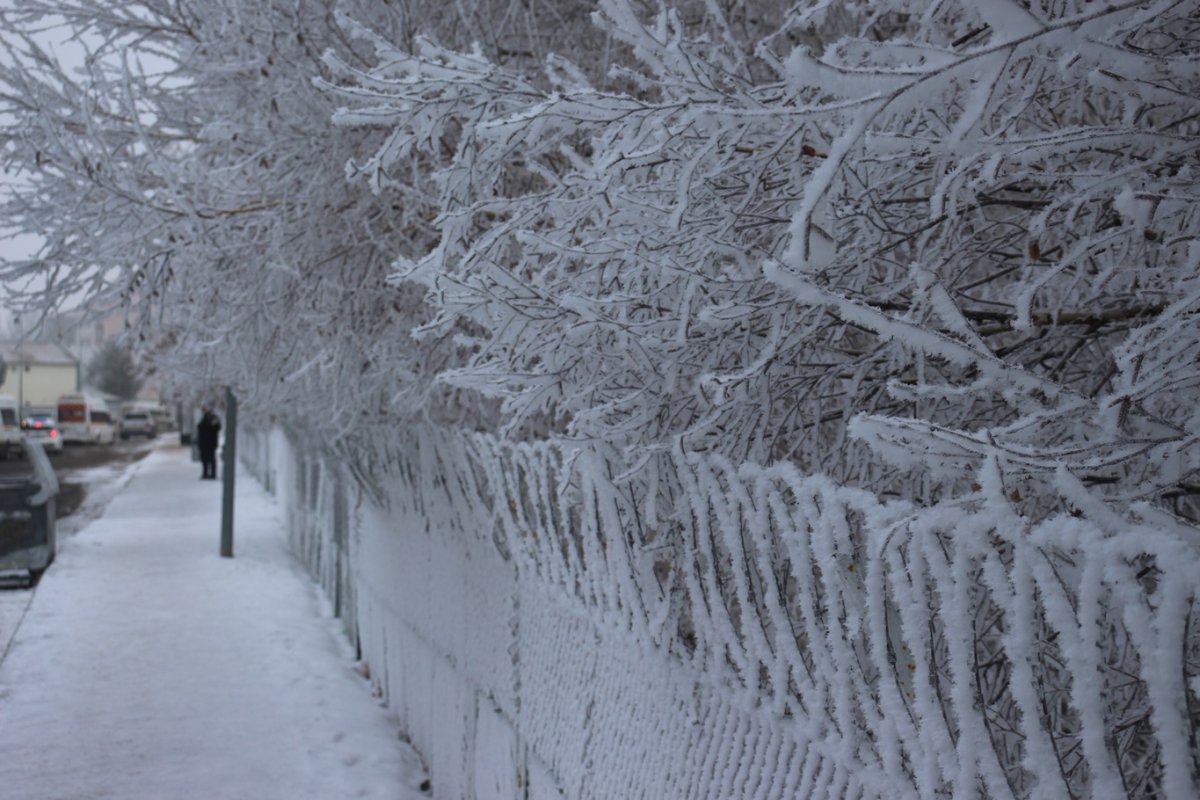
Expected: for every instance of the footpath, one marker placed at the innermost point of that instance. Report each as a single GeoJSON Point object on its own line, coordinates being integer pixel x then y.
{"type": "Point", "coordinates": [147, 667]}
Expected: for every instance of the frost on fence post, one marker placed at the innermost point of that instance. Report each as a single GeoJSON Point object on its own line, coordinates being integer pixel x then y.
{"type": "Point", "coordinates": [944, 647]}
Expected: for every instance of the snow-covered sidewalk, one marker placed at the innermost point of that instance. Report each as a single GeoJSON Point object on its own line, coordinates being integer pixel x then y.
{"type": "Point", "coordinates": [149, 667]}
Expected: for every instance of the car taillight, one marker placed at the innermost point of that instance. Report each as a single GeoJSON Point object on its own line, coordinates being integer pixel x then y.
{"type": "Point", "coordinates": [37, 425]}
{"type": "Point", "coordinates": [53, 434]}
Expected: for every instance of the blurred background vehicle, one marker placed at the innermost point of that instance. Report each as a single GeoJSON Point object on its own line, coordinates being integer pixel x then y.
{"type": "Point", "coordinates": [163, 418]}
{"type": "Point", "coordinates": [85, 419]}
{"type": "Point", "coordinates": [10, 427]}
{"type": "Point", "coordinates": [43, 430]}
{"type": "Point", "coordinates": [138, 423]}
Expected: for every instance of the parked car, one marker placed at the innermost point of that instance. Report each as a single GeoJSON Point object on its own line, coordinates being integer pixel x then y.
{"type": "Point", "coordinates": [10, 427]}
{"type": "Point", "coordinates": [164, 420]}
{"type": "Point", "coordinates": [44, 430]}
{"type": "Point", "coordinates": [138, 423]}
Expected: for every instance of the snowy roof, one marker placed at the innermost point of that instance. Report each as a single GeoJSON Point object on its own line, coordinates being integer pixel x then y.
{"type": "Point", "coordinates": [17, 352]}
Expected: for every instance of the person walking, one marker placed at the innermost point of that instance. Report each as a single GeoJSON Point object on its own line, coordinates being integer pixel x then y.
{"type": "Point", "coordinates": [206, 441]}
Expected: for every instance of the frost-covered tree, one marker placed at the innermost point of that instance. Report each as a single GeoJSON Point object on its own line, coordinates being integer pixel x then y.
{"type": "Point", "coordinates": [188, 168]}
{"type": "Point", "coordinates": [943, 236]}
{"type": "Point", "coordinates": [113, 370]}
{"type": "Point", "coordinates": [182, 147]}
{"type": "Point", "coordinates": [942, 252]}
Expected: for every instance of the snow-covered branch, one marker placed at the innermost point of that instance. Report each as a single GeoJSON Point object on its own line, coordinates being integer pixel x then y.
{"type": "Point", "coordinates": [961, 220]}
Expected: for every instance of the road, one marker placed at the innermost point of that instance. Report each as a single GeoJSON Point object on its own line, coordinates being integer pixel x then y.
{"type": "Point", "coordinates": [75, 465]}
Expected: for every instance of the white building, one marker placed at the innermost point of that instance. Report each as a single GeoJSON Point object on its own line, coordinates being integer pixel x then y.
{"type": "Point", "coordinates": [80, 332]}
{"type": "Point", "coordinates": [37, 373]}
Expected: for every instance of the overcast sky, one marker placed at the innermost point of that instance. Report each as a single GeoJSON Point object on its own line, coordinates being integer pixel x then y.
{"type": "Point", "coordinates": [71, 55]}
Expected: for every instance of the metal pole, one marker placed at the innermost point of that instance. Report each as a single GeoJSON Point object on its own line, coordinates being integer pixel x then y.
{"type": "Point", "coordinates": [230, 453]}
{"type": "Point", "coordinates": [20, 369]}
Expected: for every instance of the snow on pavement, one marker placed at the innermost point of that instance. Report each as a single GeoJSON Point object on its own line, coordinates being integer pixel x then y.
{"type": "Point", "coordinates": [149, 667]}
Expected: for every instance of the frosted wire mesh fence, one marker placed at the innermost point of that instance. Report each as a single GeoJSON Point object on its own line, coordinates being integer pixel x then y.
{"type": "Point", "coordinates": [774, 635]}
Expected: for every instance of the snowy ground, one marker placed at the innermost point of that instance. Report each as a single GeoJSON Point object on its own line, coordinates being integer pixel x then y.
{"type": "Point", "coordinates": [148, 667]}
{"type": "Point", "coordinates": [93, 476]}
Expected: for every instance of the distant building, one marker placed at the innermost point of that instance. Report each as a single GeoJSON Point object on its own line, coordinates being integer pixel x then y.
{"type": "Point", "coordinates": [84, 333]}
{"type": "Point", "coordinates": [81, 332]}
{"type": "Point", "coordinates": [37, 373]}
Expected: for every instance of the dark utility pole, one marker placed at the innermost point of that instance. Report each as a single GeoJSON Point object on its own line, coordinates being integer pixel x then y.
{"type": "Point", "coordinates": [227, 471]}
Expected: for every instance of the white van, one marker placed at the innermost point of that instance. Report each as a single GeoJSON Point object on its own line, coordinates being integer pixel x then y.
{"type": "Point", "coordinates": [159, 414]}
{"type": "Point", "coordinates": [10, 426]}
{"type": "Point", "coordinates": [85, 419]}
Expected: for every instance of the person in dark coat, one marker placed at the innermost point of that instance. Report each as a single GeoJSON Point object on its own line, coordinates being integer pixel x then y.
{"type": "Point", "coordinates": [206, 442]}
